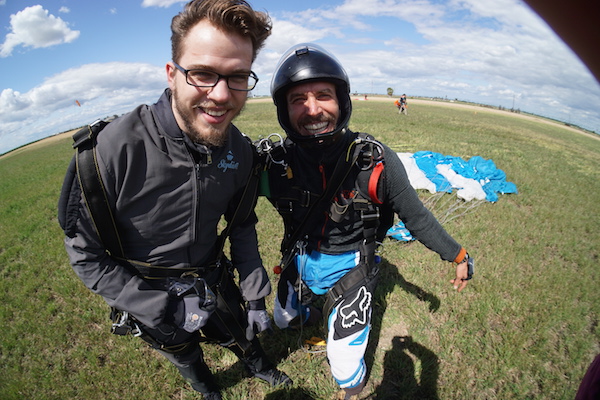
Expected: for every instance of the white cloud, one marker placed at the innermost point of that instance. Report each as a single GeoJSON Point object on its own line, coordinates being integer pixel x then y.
{"type": "Point", "coordinates": [101, 89]}
{"type": "Point", "coordinates": [35, 27]}
{"type": "Point", "coordinates": [64, 10]}
{"type": "Point", "coordinates": [161, 3]}
{"type": "Point", "coordinates": [494, 52]}
{"type": "Point", "coordinates": [287, 33]}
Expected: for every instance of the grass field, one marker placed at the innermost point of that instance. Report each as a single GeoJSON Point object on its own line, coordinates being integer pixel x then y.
{"type": "Point", "coordinates": [525, 328]}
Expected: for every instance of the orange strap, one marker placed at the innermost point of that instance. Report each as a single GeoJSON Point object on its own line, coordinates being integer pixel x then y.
{"type": "Point", "coordinates": [373, 181]}
{"type": "Point", "coordinates": [461, 255]}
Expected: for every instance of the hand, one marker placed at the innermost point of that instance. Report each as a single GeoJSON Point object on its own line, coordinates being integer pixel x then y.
{"type": "Point", "coordinates": [195, 315]}
{"type": "Point", "coordinates": [196, 305]}
{"type": "Point", "coordinates": [258, 321]}
{"type": "Point", "coordinates": [464, 272]}
{"type": "Point", "coordinates": [460, 282]}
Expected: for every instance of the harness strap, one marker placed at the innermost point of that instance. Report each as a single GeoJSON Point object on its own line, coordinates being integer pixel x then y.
{"type": "Point", "coordinates": [244, 207]}
{"type": "Point", "coordinates": [224, 313]}
{"type": "Point", "coordinates": [148, 271]}
{"type": "Point", "coordinates": [356, 275]}
{"type": "Point", "coordinates": [374, 180]}
{"type": "Point", "coordinates": [304, 198]}
{"type": "Point", "coordinates": [361, 274]}
{"type": "Point", "coordinates": [340, 172]}
{"type": "Point", "coordinates": [93, 190]}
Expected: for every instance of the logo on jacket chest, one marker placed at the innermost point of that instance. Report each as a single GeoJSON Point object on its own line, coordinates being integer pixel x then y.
{"type": "Point", "coordinates": [228, 163]}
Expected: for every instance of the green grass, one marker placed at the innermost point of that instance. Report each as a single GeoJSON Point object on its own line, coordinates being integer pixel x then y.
{"type": "Point", "coordinates": [525, 328]}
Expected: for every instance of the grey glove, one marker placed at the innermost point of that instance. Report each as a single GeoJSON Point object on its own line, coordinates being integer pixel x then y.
{"type": "Point", "coordinates": [258, 319]}
{"type": "Point", "coordinates": [196, 302]}
{"type": "Point", "coordinates": [195, 316]}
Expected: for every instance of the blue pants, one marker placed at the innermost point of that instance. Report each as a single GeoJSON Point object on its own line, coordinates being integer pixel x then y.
{"type": "Point", "coordinates": [348, 326]}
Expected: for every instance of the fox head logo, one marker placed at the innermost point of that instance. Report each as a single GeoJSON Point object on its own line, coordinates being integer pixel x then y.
{"type": "Point", "coordinates": [356, 311]}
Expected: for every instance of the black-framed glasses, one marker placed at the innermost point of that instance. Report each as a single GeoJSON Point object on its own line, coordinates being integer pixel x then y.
{"type": "Point", "coordinates": [202, 78]}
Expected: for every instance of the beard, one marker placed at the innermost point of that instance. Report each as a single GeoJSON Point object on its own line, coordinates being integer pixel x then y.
{"type": "Point", "coordinates": [207, 135]}
{"type": "Point", "coordinates": [302, 123]}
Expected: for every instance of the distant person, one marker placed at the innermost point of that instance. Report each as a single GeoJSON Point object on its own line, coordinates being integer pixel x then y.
{"type": "Point", "coordinates": [171, 171]}
{"type": "Point", "coordinates": [331, 251]}
{"type": "Point", "coordinates": [402, 105]}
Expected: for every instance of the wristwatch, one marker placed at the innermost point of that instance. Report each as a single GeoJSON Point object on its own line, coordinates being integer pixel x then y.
{"type": "Point", "coordinates": [470, 266]}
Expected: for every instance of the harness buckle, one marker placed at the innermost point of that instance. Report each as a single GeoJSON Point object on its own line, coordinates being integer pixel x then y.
{"type": "Point", "coordinates": [284, 207]}
{"type": "Point", "coordinates": [370, 216]}
{"type": "Point", "coordinates": [305, 198]}
{"type": "Point", "coordinates": [125, 325]}
{"type": "Point", "coordinates": [273, 149]}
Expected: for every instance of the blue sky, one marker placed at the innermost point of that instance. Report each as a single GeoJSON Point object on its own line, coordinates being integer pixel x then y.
{"type": "Point", "coordinates": [109, 56]}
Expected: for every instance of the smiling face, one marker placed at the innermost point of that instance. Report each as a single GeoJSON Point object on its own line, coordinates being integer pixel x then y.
{"type": "Point", "coordinates": [313, 108]}
{"type": "Point", "coordinates": [204, 113]}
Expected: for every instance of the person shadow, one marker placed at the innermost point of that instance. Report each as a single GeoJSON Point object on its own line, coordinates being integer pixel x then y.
{"type": "Point", "coordinates": [399, 381]}
{"type": "Point", "coordinates": [291, 394]}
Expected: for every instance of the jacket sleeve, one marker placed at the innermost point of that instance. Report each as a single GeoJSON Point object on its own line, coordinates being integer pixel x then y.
{"type": "Point", "coordinates": [254, 281]}
{"type": "Point", "coordinates": [405, 202]}
{"type": "Point", "coordinates": [115, 282]}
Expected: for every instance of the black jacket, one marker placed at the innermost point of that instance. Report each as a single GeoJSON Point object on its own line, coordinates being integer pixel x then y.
{"type": "Point", "coordinates": [311, 168]}
{"type": "Point", "coordinates": [169, 195]}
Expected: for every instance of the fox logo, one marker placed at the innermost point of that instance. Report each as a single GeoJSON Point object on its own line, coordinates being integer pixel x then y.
{"type": "Point", "coordinates": [356, 312]}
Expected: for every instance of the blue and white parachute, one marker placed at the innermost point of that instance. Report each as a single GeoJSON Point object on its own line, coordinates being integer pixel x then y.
{"type": "Point", "coordinates": [477, 179]}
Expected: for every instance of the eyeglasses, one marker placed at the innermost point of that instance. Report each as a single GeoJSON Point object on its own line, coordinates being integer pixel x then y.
{"type": "Point", "coordinates": [203, 78]}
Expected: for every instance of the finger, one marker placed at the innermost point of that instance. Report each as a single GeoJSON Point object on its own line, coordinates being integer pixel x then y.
{"type": "Point", "coordinates": [250, 333]}
{"type": "Point", "coordinates": [459, 284]}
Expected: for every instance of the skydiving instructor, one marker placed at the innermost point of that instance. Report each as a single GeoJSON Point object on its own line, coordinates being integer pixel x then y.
{"type": "Point", "coordinates": [333, 220]}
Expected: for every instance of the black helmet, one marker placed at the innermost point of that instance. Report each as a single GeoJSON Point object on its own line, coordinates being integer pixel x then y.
{"type": "Point", "coordinates": [310, 62]}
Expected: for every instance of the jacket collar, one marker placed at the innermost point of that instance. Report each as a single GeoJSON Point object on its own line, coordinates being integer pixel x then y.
{"type": "Point", "coordinates": [164, 114]}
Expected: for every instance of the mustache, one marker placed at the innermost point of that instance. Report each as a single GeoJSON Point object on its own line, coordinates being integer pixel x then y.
{"type": "Point", "coordinates": [311, 120]}
{"type": "Point", "coordinates": [211, 104]}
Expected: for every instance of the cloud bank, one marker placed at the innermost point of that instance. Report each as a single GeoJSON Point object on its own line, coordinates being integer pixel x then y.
{"type": "Point", "coordinates": [498, 53]}
{"type": "Point", "coordinates": [37, 28]}
{"type": "Point", "coordinates": [76, 97]}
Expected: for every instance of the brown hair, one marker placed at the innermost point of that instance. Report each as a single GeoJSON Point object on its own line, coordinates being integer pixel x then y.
{"type": "Point", "coordinates": [231, 16]}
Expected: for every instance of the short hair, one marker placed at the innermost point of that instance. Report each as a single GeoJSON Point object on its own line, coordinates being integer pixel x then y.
{"type": "Point", "coordinates": [231, 16]}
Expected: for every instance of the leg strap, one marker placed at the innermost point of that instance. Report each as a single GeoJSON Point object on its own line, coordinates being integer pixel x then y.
{"type": "Point", "coordinates": [362, 274]}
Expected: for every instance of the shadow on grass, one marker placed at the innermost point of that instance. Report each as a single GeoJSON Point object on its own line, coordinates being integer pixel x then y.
{"type": "Point", "coordinates": [277, 348]}
{"type": "Point", "coordinates": [399, 381]}
{"type": "Point", "coordinates": [291, 394]}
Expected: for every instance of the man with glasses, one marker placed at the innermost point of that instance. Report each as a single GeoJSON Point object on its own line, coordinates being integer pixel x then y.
{"type": "Point", "coordinates": [171, 171]}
